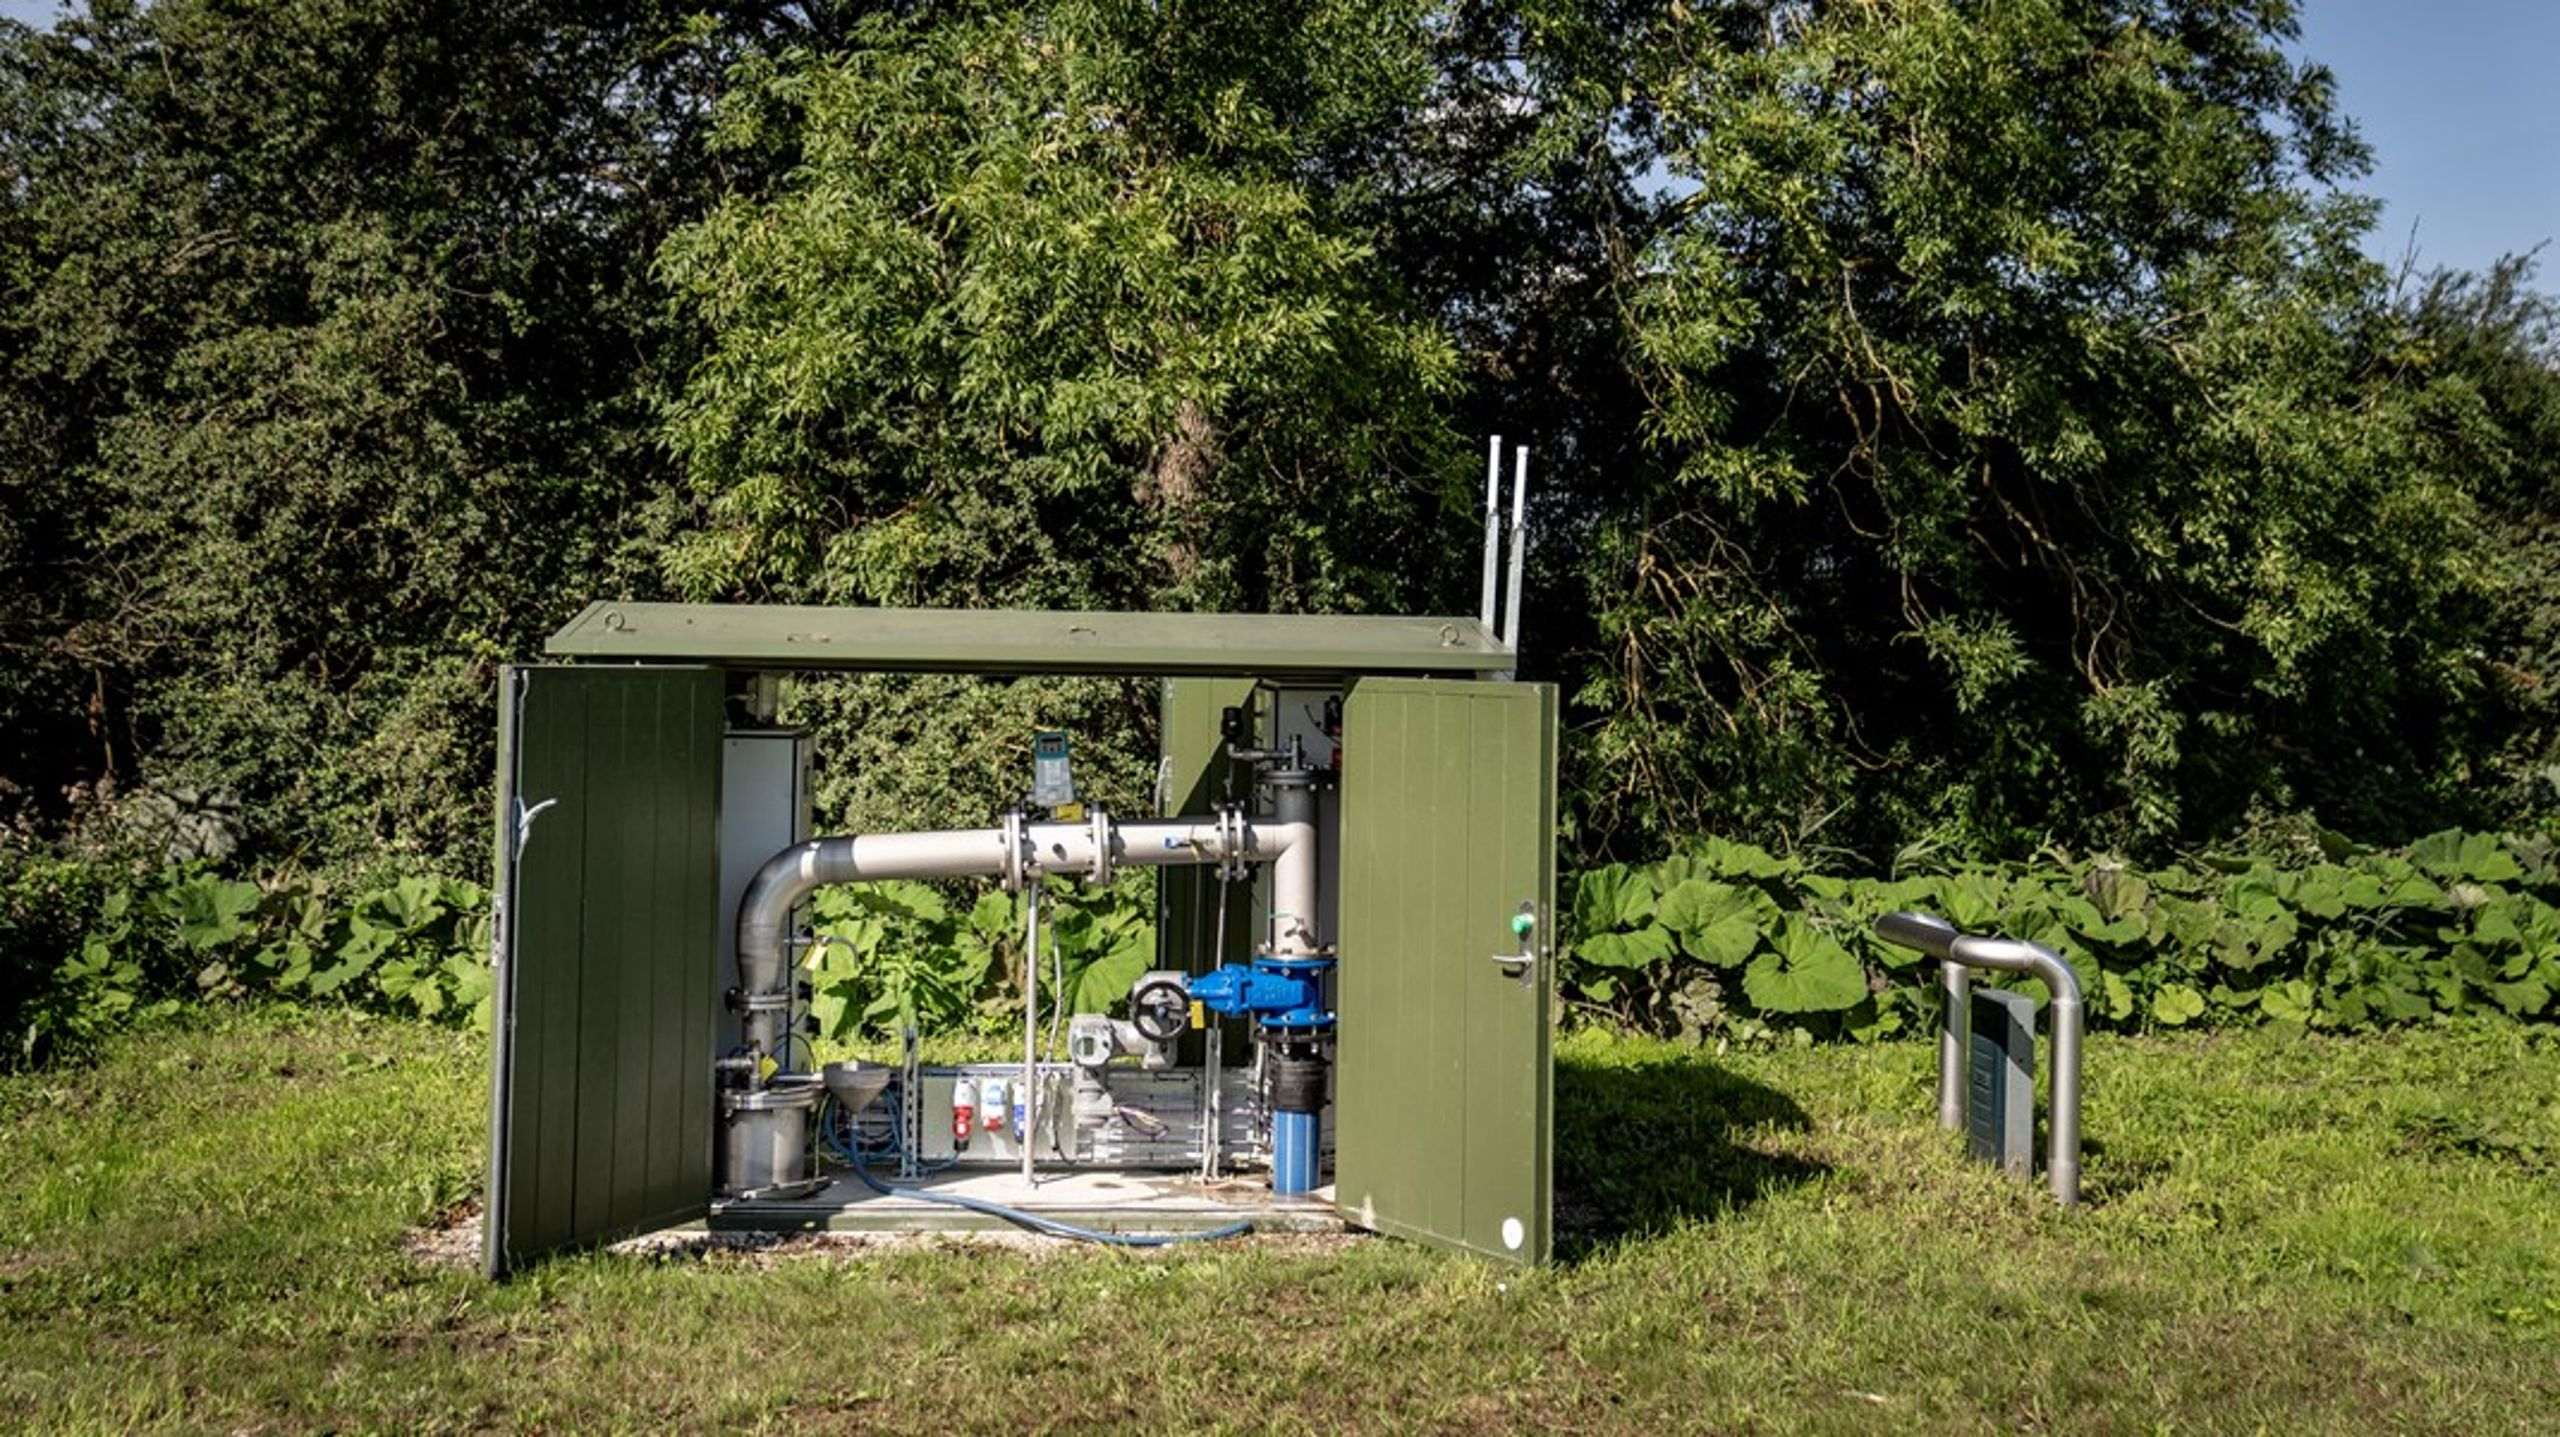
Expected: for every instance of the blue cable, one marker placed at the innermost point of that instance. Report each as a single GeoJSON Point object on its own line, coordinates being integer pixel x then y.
{"type": "Point", "coordinates": [851, 1155]}
{"type": "Point", "coordinates": [840, 1135]}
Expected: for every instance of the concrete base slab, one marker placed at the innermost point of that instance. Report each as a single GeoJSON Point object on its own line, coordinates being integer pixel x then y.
{"type": "Point", "coordinates": [1106, 1201]}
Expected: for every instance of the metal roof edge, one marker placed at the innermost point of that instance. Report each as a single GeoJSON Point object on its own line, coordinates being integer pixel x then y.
{"type": "Point", "coordinates": [1007, 641]}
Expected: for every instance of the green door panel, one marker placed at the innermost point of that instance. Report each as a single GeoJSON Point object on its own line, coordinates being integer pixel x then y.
{"type": "Point", "coordinates": [608, 917]}
{"type": "Point", "coordinates": [1444, 1091]}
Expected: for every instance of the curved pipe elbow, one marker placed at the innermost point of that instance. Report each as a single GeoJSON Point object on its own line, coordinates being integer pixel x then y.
{"type": "Point", "coordinates": [2016, 955]}
{"type": "Point", "coordinates": [764, 914]}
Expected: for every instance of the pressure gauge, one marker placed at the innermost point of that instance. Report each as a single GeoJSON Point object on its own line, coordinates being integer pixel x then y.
{"type": "Point", "coordinates": [1053, 783]}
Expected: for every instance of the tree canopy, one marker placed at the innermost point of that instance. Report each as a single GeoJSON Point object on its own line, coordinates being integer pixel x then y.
{"type": "Point", "coordinates": [1959, 427]}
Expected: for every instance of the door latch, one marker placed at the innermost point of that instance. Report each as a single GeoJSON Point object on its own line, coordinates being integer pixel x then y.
{"type": "Point", "coordinates": [1522, 965]}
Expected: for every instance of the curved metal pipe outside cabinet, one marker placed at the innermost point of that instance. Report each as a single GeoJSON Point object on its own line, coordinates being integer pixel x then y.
{"type": "Point", "coordinates": [1958, 951]}
{"type": "Point", "coordinates": [2013, 955]}
{"type": "Point", "coordinates": [1932, 935]}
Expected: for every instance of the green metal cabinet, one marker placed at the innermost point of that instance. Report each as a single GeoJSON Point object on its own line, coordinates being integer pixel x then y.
{"type": "Point", "coordinates": [609, 795]}
{"type": "Point", "coordinates": [609, 908]}
{"type": "Point", "coordinates": [1443, 1098]}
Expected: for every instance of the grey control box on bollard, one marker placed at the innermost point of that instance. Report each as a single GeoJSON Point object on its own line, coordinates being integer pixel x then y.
{"type": "Point", "coordinates": [1987, 1053]}
{"type": "Point", "coordinates": [2000, 1081]}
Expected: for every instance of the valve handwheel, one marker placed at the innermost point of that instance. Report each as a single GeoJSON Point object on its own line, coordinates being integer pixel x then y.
{"type": "Point", "coordinates": [1160, 1009]}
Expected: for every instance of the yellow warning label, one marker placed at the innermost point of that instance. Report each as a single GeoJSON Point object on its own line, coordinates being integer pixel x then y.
{"type": "Point", "coordinates": [1199, 1014]}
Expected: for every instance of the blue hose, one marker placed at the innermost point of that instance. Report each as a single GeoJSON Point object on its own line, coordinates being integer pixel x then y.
{"type": "Point", "coordinates": [836, 1132]}
{"type": "Point", "coordinates": [840, 1135]}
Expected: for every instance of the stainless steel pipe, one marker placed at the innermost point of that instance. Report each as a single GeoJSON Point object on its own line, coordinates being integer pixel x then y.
{"type": "Point", "coordinates": [1293, 866]}
{"type": "Point", "coordinates": [1956, 952]}
{"type": "Point", "coordinates": [1093, 848]}
{"type": "Point", "coordinates": [1955, 992]}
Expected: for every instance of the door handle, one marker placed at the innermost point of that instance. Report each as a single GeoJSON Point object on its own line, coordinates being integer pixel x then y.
{"type": "Point", "coordinates": [1523, 964]}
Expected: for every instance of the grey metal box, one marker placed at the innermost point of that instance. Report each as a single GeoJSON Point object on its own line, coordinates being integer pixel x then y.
{"type": "Point", "coordinates": [2000, 1081]}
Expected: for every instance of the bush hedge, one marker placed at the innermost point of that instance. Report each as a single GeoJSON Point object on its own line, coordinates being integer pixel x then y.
{"type": "Point", "coordinates": [1726, 939]}
{"type": "Point", "coordinates": [88, 947]}
{"type": "Point", "coordinates": [1718, 940]}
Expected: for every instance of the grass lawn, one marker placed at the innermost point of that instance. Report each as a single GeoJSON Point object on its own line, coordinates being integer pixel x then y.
{"type": "Point", "coordinates": [2297, 1235]}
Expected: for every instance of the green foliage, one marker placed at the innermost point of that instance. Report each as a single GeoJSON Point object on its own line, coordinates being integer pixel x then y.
{"type": "Point", "coordinates": [899, 954]}
{"type": "Point", "coordinates": [908, 751]}
{"type": "Point", "coordinates": [2036, 457]}
{"type": "Point", "coordinates": [1960, 427]}
{"type": "Point", "coordinates": [323, 328]}
{"type": "Point", "coordinates": [85, 950]}
{"type": "Point", "coordinates": [1727, 939]}
{"type": "Point", "coordinates": [1042, 314]}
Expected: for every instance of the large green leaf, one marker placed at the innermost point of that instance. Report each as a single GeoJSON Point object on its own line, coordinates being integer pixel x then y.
{"type": "Point", "coordinates": [899, 898]}
{"type": "Point", "coordinates": [1103, 981]}
{"type": "Point", "coordinates": [2243, 944]}
{"type": "Point", "coordinates": [2495, 927]}
{"type": "Point", "coordinates": [1975, 902]}
{"type": "Point", "coordinates": [1804, 971]}
{"type": "Point", "coordinates": [1741, 860]}
{"type": "Point", "coordinates": [2527, 996]}
{"type": "Point", "coordinates": [1725, 942]}
{"type": "Point", "coordinates": [412, 903]}
{"type": "Point", "coordinates": [2119, 894]}
{"type": "Point", "coordinates": [2479, 857]}
{"type": "Point", "coordinates": [1716, 923]}
{"type": "Point", "coordinates": [1611, 896]}
{"type": "Point", "coordinates": [1694, 904]}
{"type": "Point", "coordinates": [2175, 1005]}
{"type": "Point", "coordinates": [1645, 945]}
{"type": "Point", "coordinates": [212, 912]}
{"type": "Point", "coordinates": [2291, 1001]}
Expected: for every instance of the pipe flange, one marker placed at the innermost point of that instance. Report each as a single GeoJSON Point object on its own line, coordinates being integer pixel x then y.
{"type": "Point", "coordinates": [1232, 864]}
{"type": "Point", "coordinates": [1017, 850]}
{"type": "Point", "coordinates": [1099, 825]}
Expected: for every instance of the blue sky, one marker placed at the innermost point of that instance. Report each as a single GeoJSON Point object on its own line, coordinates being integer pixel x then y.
{"type": "Point", "coordinates": [2459, 99]}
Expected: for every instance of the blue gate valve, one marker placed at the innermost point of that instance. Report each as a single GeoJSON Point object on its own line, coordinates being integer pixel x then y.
{"type": "Point", "coordinates": [1275, 992]}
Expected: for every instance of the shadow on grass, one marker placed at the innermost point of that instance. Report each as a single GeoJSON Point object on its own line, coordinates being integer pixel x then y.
{"type": "Point", "coordinates": [1645, 1142]}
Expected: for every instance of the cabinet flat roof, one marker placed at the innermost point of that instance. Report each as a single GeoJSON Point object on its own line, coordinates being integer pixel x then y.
{"type": "Point", "coordinates": [1031, 641]}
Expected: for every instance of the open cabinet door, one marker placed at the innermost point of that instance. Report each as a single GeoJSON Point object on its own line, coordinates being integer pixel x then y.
{"type": "Point", "coordinates": [1443, 1093]}
{"type": "Point", "coordinates": [607, 918]}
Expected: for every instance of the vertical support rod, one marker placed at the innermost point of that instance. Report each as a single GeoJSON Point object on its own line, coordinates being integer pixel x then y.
{"type": "Point", "coordinates": [1492, 529]}
{"type": "Point", "coordinates": [1955, 1041]}
{"type": "Point", "coordinates": [1212, 1086]}
{"type": "Point", "coordinates": [1030, 1089]}
{"type": "Point", "coordinates": [2062, 1163]}
{"type": "Point", "coordinates": [1519, 548]}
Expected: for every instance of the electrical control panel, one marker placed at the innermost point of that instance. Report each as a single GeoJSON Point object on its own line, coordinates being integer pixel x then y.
{"type": "Point", "coordinates": [1308, 721]}
{"type": "Point", "coordinates": [1053, 782]}
{"type": "Point", "coordinates": [1120, 1117]}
